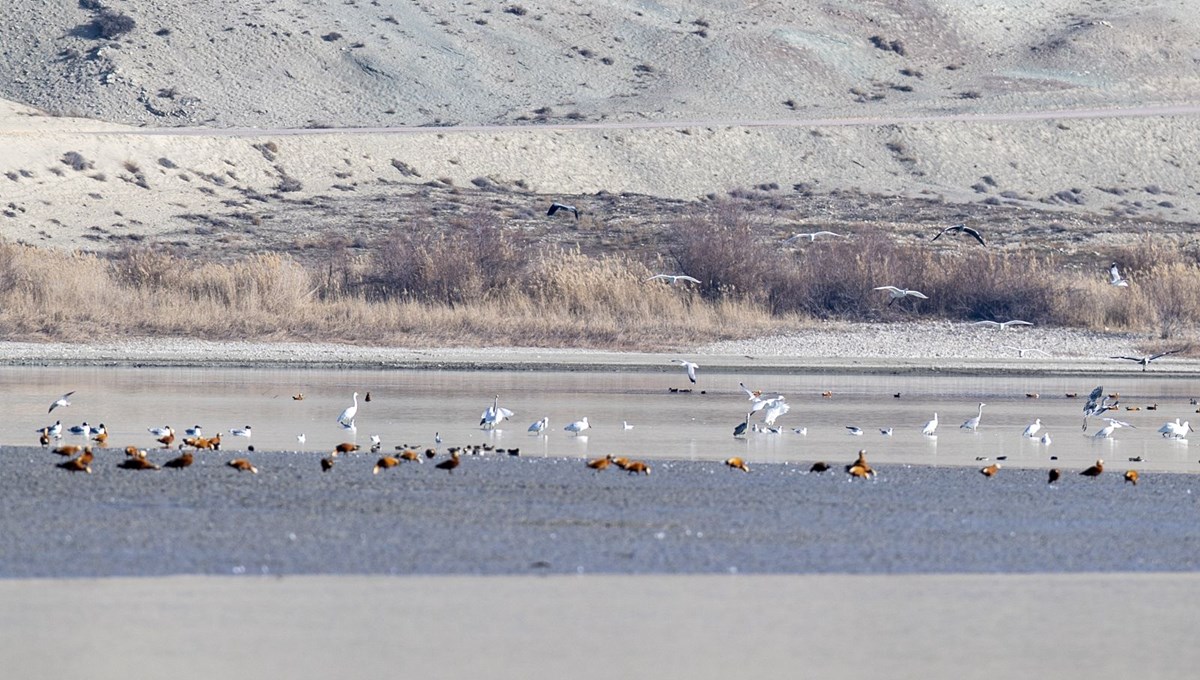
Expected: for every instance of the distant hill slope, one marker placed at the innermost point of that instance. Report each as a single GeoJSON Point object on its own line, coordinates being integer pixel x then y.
{"type": "Point", "coordinates": [291, 63]}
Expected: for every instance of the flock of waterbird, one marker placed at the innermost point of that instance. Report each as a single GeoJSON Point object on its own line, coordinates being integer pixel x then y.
{"type": "Point", "coordinates": [494, 416]}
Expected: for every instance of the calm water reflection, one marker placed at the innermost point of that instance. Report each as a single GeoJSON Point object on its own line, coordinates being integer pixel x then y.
{"type": "Point", "coordinates": [410, 406]}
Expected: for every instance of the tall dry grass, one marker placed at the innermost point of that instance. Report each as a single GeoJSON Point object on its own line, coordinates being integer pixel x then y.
{"type": "Point", "coordinates": [477, 283]}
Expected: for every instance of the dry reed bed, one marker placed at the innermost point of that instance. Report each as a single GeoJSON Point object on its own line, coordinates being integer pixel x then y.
{"type": "Point", "coordinates": [481, 284]}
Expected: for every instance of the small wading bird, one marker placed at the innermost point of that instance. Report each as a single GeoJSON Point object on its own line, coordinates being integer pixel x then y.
{"type": "Point", "coordinates": [241, 431]}
{"type": "Point", "coordinates": [1002, 325]}
{"type": "Point", "coordinates": [674, 278]}
{"type": "Point", "coordinates": [556, 206]}
{"type": "Point", "coordinates": [901, 293]}
{"type": "Point", "coordinates": [1145, 361]}
{"type": "Point", "coordinates": [1115, 278]}
{"type": "Point", "coordinates": [811, 236]}
{"type": "Point", "coordinates": [689, 367]}
{"type": "Point", "coordinates": [61, 401]}
{"type": "Point", "coordinates": [960, 229]}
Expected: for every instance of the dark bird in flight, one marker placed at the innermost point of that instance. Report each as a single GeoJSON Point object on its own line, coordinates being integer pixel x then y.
{"type": "Point", "coordinates": [961, 228]}
{"type": "Point", "coordinates": [1145, 361]}
{"type": "Point", "coordinates": [555, 207]}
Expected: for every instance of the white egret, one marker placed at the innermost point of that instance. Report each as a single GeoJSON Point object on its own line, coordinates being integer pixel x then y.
{"type": "Point", "coordinates": [930, 427]}
{"type": "Point", "coordinates": [972, 424]}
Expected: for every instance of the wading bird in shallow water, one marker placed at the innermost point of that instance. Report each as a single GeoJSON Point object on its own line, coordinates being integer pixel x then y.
{"type": "Point", "coordinates": [1175, 430]}
{"type": "Point", "coordinates": [930, 427]}
{"type": "Point", "coordinates": [901, 293]}
{"type": "Point", "coordinates": [539, 426]}
{"type": "Point", "coordinates": [578, 426]}
{"type": "Point", "coordinates": [1115, 278]}
{"type": "Point", "coordinates": [689, 367]}
{"type": "Point", "coordinates": [972, 424]}
{"type": "Point", "coordinates": [1002, 325]}
{"type": "Point", "coordinates": [960, 229]}
{"type": "Point", "coordinates": [494, 415]}
{"type": "Point", "coordinates": [1113, 424]}
{"type": "Point", "coordinates": [1033, 428]}
{"type": "Point", "coordinates": [556, 206]}
{"type": "Point", "coordinates": [347, 416]}
{"type": "Point", "coordinates": [674, 278]}
{"type": "Point", "coordinates": [1145, 360]}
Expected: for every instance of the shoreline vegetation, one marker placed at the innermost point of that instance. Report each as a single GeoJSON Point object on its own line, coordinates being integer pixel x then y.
{"type": "Point", "coordinates": [474, 283]}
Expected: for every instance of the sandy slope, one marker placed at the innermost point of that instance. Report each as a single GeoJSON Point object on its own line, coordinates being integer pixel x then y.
{"type": "Point", "coordinates": [277, 64]}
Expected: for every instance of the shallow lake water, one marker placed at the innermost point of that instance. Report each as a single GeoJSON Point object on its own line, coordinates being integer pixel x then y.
{"type": "Point", "coordinates": [409, 407]}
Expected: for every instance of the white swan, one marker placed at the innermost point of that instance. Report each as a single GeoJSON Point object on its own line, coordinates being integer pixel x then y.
{"type": "Point", "coordinates": [494, 415]}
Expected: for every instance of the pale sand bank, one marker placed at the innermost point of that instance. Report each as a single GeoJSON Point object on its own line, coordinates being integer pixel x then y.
{"type": "Point", "coordinates": [925, 347]}
{"type": "Point", "coordinates": [923, 627]}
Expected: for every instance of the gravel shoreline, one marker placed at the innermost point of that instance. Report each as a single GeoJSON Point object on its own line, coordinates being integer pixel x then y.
{"type": "Point", "coordinates": [927, 347]}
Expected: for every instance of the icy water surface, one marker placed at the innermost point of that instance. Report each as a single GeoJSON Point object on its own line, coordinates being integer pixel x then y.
{"type": "Point", "coordinates": [410, 407]}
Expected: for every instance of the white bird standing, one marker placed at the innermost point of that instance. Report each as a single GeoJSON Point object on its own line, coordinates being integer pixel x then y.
{"type": "Point", "coordinates": [1045, 440]}
{"type": "Point", "coordinates": [160, 431]}
{"type": "Point", "coordinates": [61, 401]}
{"type": "Point", "coordinates": [625, 425]}
{"type": "Point", "coordinates": [300, 438]}
{"type": "Point", "coordinates": [1175, 430]}
{"type": "Point", "coordinates": [1033, 428]}
{"type": "Point", "coordinates": [689, 367]}
{"type": "Point", "coordinates": [240, 431]}
{"type": "Point", "coordinates": [1113, 424]}
{"type": "Point", "coordinates": [54, 430]}
{"type": "Point", "coordinates": [1002, 325]}
{"type": "Point", "coordinates": [494, 415]}
{"type": "Point", "coordinates": [901, 293]}
{"type": "Point", "coordinates": [347, 416]}
{"type": "Point", "coordinates": [930, 427]}
{"type": "Point", "coordinates": [1115, 278]}
{"type": "Point", "coordinates": [972, 424]}
{"type": "Point", "coordinates": [578, 426]}
{"type": "Point", "coordinates": [539, 426]}
{"type": "Point", "coordinates": [193, 431]}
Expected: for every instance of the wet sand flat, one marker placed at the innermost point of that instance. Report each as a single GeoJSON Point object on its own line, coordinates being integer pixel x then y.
{"type": "Point", "coordinates": [499, 515]}
{"type": "Point", "coordinates": [830, 626]}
